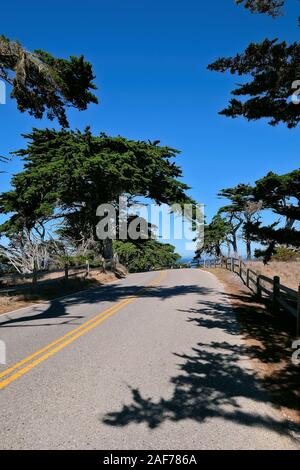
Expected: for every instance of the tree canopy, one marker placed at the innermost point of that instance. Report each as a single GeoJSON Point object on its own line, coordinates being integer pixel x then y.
{"type": "Point", "coordinates": [243, 217]}
{"type": "Point", "coordinates": [68, 174]}
{"type": "Point", "coordinates": [270, 7]}
{"type": "Point", "coordinates": [281, 194]}
{"type": "Point", "coordinates": [43, 84]}
{"type": "Point", "coordinates": [241, 210]}
{"type": "Point", "coordinates": [271, 73]}
{"type": "Point", "coordinates": [215, 235]}
{"type": "Point", "coordinates": [145, 255]}
{"type": "Point", "coordinates": [273, 67]}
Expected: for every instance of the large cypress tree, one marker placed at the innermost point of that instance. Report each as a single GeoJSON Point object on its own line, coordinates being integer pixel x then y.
{"type": "Point", "coordinates": [216, 234]}
{"type": "Point", "coordinates": [271, 69]}
{"type": "Point", "coordinates": [281, 194]}
{"type": "Point", "coordinates": [43, 84]}
{"type": "Point", "coordinates": [68, 174]}
{"type": "Point", "coordinates": [241, 210]}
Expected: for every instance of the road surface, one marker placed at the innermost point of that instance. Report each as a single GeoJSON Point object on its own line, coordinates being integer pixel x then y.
{"type": "Point", "coordinates": [154, 361]}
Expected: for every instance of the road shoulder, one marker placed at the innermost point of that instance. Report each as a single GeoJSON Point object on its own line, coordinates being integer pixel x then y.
{"type": "Point", "coordinates": [59, 290]}
{"type": "Point", "coordinates": [269, 341]}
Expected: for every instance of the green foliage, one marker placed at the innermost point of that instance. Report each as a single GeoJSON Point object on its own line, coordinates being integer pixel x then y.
{"type": "Point", "coordinates": [42, 83]}
{"type": "Point", "coordinates": [283, 253]}
{"type": "Point", "coordinates": [68, 174]}
{"type": "Point", "coordinates": [241, 210]}
{"type": "Point", "coordinates": [277, 193]}
{"type": "Point", "coordinates": [215, 234]}
{"type": "Point", "coordinates": [272, 68]}
{"type": "Point", "coordinates": [145, 255]}
{"type": "Point", "coordinates": [78, 259]}
{"type": "Point", "coordinates": [270, 7]}
{"type": "Point", "coordinates": [281, 194]}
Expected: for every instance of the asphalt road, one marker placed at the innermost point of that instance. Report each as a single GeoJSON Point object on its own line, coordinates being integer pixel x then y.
{"type": "Point", "coordinates": [127, 367]}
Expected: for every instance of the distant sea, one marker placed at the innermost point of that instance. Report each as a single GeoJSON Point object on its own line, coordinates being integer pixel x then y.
{"type": "Point", "coordinates": [185, 259]}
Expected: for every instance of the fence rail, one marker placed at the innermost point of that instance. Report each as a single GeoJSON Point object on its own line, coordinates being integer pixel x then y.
{"type": "Point", "coordinates": [11, 283]}
{"type": "Point", "coordinates": [282, 297]}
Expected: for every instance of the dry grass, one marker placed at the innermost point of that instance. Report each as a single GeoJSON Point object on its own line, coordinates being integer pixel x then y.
{"type": "Point", "coordinates": [16, 280]}
{"type": "Point", "coordinates": [289, 272]}
{"type": "Point", "coordinates": [48, 292]}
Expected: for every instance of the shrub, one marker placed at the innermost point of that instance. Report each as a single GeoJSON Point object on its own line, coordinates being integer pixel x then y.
{"type": "Point", "coordinates": [283, 253]}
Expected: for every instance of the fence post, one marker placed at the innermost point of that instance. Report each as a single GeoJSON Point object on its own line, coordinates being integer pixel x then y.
{"type": "Point", "coordinates": [87, 269]}
{"type": "Point", "coordinates": [240, 267]}
{"type": "Point", "coordinates": [258, 287]}
{"type": "Point", "coordinates": [298, 312]}
{"type": "Point", "coordinates": [66, 272]}
{"type": "Point", "coordinates": [248, 277]}
{"type": "Point", "coordinates": [34, 275]}
{"type": "Point", "coordinates": [232, 264]}
{"type": "Point", "coordinates": [276, 292]}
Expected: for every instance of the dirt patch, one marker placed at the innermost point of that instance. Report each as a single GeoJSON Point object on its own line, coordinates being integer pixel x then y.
{"type": "Point", "coordinates": [9, 303]}
{"type": "Point", "coordinates": [269, 339]}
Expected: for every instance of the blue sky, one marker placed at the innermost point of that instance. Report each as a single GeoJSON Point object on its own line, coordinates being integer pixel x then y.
{"type": "Point", "coordinates": [150, 59]}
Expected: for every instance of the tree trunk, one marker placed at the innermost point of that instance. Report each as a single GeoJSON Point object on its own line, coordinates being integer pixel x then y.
{"type": "Point", "coordinates": [234, 246]}
{"type": "Point", "coordinates": [249, 252]}
{"type": "Point", "coordinates": [108, 248]}
{"type": "Point", "coordinates": [228, 250]}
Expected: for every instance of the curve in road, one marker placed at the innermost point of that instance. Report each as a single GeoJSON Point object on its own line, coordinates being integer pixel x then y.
{"type": "Point", "coordinates": [155, 361]}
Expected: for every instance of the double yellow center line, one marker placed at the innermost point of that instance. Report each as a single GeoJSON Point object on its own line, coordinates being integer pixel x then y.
{"type": "Point", "coordinates": [17, 370]}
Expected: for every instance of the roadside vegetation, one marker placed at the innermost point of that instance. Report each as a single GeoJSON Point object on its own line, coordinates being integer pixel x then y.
{"type": "Point", "coordinates": [146, 256]}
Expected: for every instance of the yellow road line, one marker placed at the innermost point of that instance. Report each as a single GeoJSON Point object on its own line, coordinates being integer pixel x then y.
{"type": "Point", "coordinates": [70, 333]}
{"type": "Point", "coordinates": [54, 350]}
{"type": "Point", "coordinates": [74, 334]}
{"type": "Point", "coordinates": [45, 348]}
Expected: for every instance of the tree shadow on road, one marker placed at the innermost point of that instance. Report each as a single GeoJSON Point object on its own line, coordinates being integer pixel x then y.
{"type": "Point", "coordinates": [62, 308]}
{"type": "Point", "coordinates": [215, 379]}
{"type": "Point", "coordinates": [268, 341]}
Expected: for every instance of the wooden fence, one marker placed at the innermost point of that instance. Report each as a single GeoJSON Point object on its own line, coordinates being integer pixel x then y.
{"type": "Point", "coordinates": [282, 297]}
{"type": "Point", "coordinates": [23, 281]}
